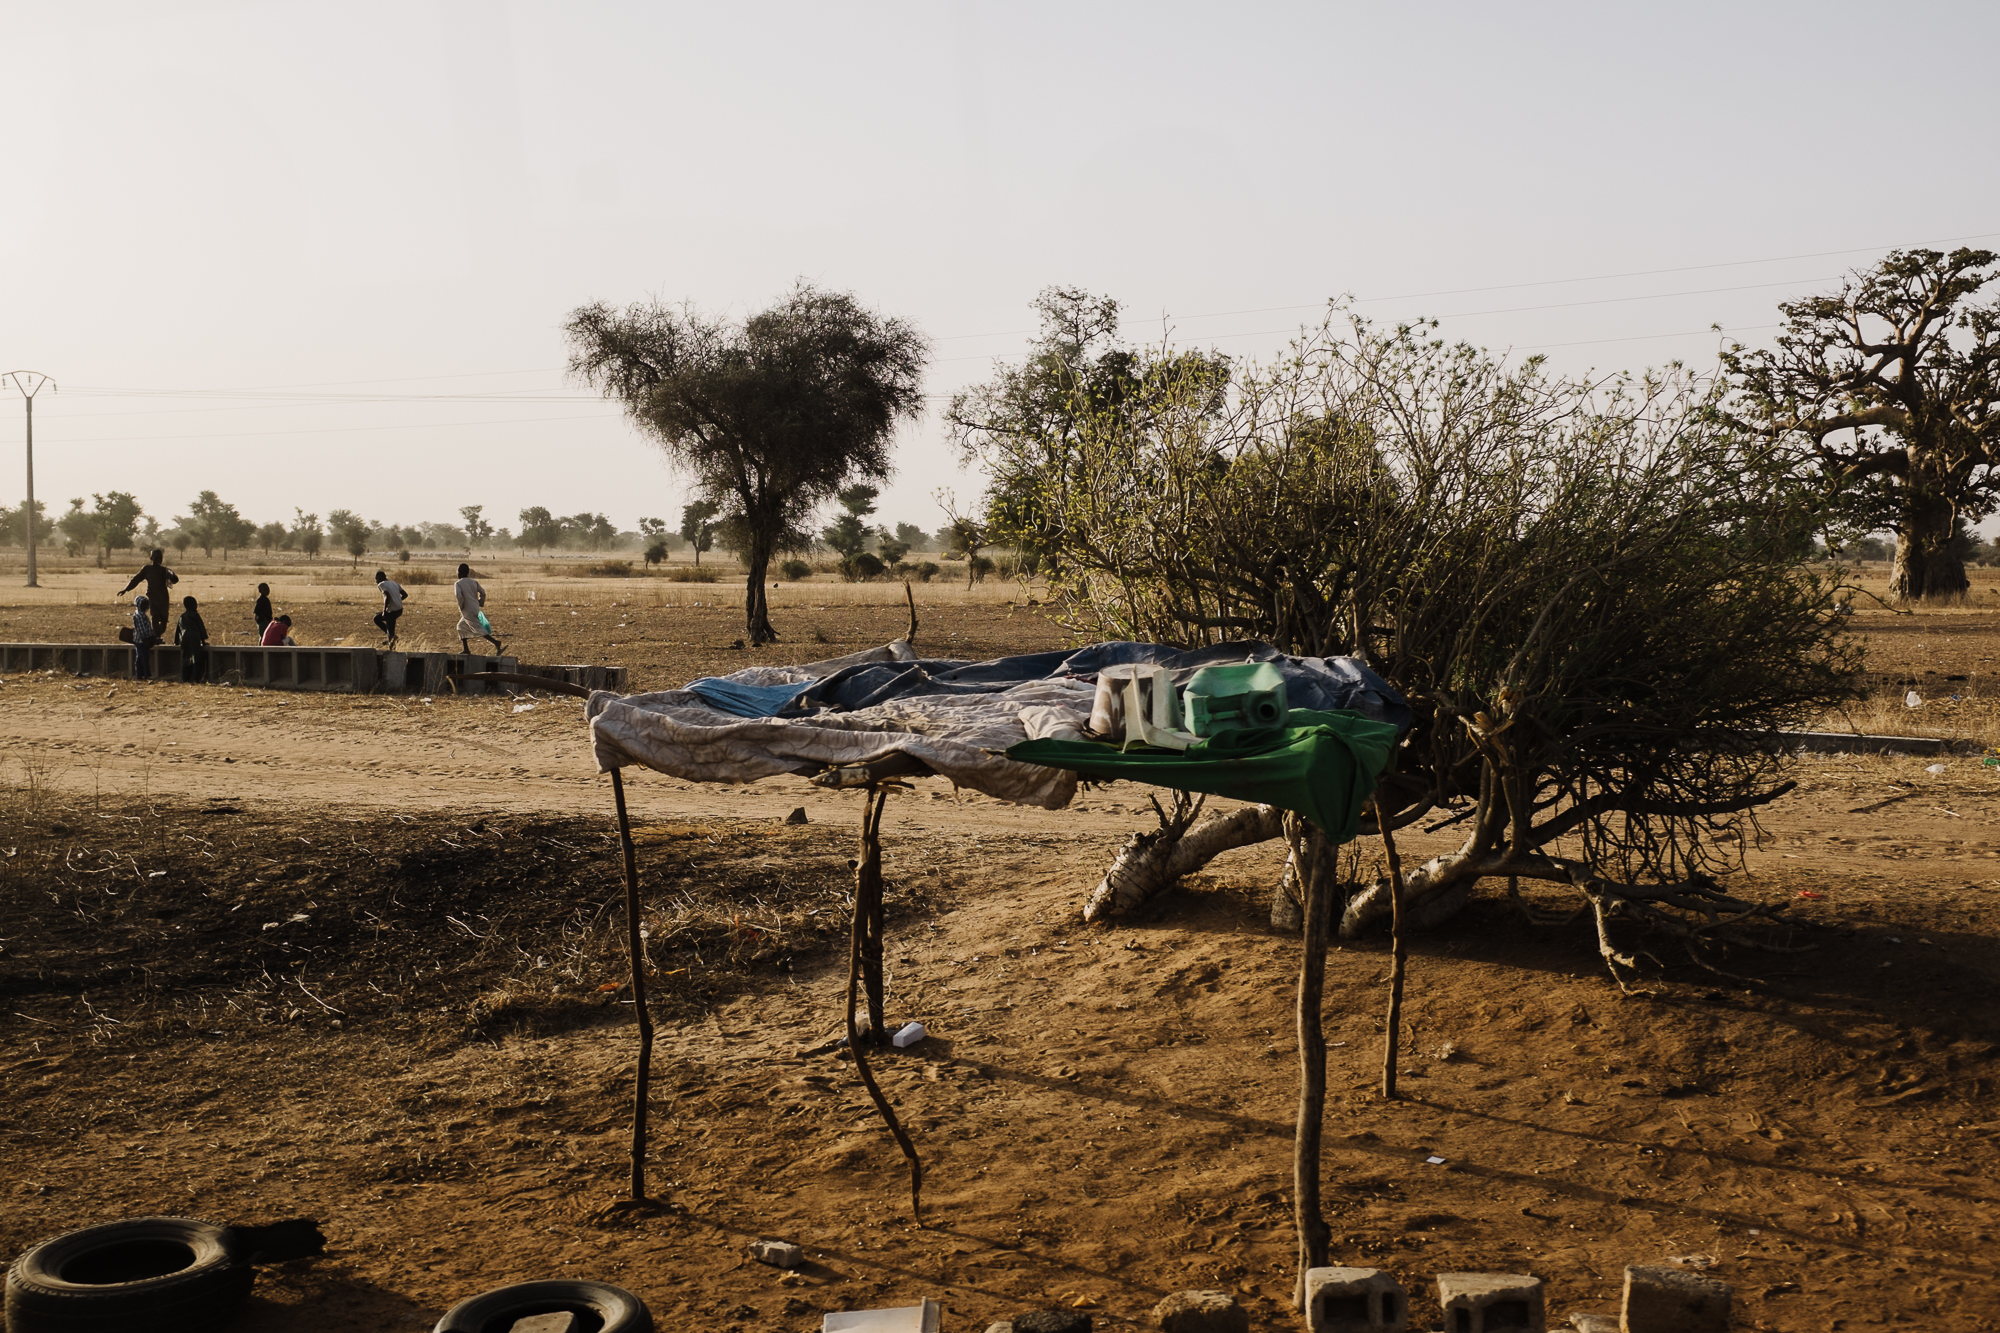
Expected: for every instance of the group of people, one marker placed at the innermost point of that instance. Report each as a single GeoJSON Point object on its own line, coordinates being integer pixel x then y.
{"type": "Point", "coordinates": [149, 618]}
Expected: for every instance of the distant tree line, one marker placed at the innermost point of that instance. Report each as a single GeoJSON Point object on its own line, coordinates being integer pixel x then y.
{"type": "Point", "coordinates": [115, 521]}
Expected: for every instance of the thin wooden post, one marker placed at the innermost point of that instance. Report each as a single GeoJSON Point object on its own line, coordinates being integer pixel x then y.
{"type": "Point", "coordinates": [868, 909]}
{"type": "Point", "coordinates": [873, 799]}
{"type": "Point", "coordinates": [638, 956]}
{"type": "Point", "coordinates": [1314, 1238]}
{"type": "Point", "coordinates": [1398, 956]}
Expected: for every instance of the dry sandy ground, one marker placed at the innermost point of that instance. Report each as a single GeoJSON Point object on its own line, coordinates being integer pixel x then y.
{"type": "Point", "coordinates": [1105, 1113]}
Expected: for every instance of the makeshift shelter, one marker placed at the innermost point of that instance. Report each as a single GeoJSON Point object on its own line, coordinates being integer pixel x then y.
{"type": "Point", "coordinates": [1016, 728]}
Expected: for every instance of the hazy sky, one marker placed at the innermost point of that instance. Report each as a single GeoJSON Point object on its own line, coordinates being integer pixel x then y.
{"type": "Point", "coordinates": [320, 255]}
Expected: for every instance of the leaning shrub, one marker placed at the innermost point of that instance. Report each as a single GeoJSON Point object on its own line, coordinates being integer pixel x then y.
{"type": "Point", "coordinates": [1592, 593]}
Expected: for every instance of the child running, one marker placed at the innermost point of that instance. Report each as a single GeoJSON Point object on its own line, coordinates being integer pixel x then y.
{"type": "Point", "coordinates": [472, 622]}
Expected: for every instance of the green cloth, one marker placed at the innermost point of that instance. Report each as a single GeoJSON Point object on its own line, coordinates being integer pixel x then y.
{"type": "Point", "coordinates": [1322, 765]}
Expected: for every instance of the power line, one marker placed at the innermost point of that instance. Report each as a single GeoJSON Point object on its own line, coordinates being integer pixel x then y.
{"type": "Point", "coordinates": [329, 430]}
{"type": "Point", "coordinates": [1542, 282]}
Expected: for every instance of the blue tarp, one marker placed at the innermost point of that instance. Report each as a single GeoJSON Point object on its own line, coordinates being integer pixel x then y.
{"type": "Point", "coordinates": [1334, 684]}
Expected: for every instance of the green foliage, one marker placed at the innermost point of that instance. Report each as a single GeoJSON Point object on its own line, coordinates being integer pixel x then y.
{"type": "Point", "coordinates": [860, 567]}
{"type": "Point", "coordinates": [795, 570]}
{"type": "Point", "coordinates": [478, 532]}
{"type": "Point", "coordinates": [306, 532]}
{"type": "Point", "coordinates": [889, 548]}
{"type": "Point", "coordinates": [698, 525]}
{"type": "Point", "coordinates": [115, 516]}
{"type": "Point", "coordinates": [1887, 394]}
{"type": "Point", "coordinates": [350, 531]}
{"type": "Point", "coordinates": [1607, 574]}
{"type": "Point", "coordinates": [14, 524]}
{"type": "Point", "coordinates": [656, 551]}
{"type": "Point", "coordinates": [539, 529]}
{"type": "Point", "coordinates": [847, 534]}
{"type": "Point", "coordinates": [269, 536]}
{"type": "Point", "coordinates": [773, 416]}
{"type": "Point", "coordinates": [926, 570]}
{"type": "Point", "coordinates": [913, 537]}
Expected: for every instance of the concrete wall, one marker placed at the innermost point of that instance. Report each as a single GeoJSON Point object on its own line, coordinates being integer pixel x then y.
{"type": "Point", "coordinates": [334, 670]}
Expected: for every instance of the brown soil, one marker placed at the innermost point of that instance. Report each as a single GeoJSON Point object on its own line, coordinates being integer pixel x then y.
{"type": "Point", "coordinates": [428, 1061]}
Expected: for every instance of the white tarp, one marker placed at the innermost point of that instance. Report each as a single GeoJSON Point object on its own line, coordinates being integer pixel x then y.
{"type": "Point", "coordinates": [960, 737]}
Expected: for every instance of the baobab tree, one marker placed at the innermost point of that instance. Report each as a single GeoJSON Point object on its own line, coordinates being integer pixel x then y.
{"type": "Point", "coordinates": [1886, 391]}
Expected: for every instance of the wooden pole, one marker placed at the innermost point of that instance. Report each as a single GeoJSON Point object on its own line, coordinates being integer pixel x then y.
{"type": "Point", "coordinates": [1314, 1238]}
{"type": "Point", "coordinates": [638, 956]}
{"type": "Point", "coordinates": [873, 799]}
{"type": "Point", "coordinates": [1398, 955]}
{"type": "Point", "coordinates": [868, 909]}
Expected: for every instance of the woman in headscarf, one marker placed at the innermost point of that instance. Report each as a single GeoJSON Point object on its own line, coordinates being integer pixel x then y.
{"type": "Point", "coordinates": [143, 636]}
{"type": "Point", "coordinates": [192, 636]}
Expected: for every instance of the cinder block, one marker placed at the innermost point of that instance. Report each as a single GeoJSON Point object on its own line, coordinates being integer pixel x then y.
{"type": "Point", "coordinates": [1492, 1302]}
{"type": "Point", "coordinates": [1673, 1300]}
{"type": "Point", "coordinates": [777, 1253]}
{"type": "Point", "coordinates": [1355, 1300]}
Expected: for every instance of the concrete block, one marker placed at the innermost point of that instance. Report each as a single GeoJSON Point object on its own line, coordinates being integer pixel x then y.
{"type": "Point", "coordinates": [1492, 1302]}
{"type": "Point", "coordinates": [1595, 1323]}
{"type": "Point", "coordinates": [1355, 1300]}
{"type": "Point", "coordinates": [1673, 1300]}
{"type": "Point", "coordinates": [560, 1322]}
{"type": "Point", "coordinates": [1201, 1312]}
{"type": "Point", "coordinates": [777, 1253]}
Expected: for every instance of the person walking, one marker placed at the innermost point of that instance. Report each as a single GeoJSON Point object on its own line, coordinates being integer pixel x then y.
{"type": "Point", "coordinates": [278, 634]}
{"type": "Point", "coordinates": [472, 622]}
{"type": "Point", "coordinates": [262, 610]}
{"type": "Point", "coordinates": [191, 636]}
{"type": "Point", "coordinates": [392, 607]}
{"type": "Point", "coordinates": [144, 636]}
{"type": "Point", "coordinates": [157, 578]}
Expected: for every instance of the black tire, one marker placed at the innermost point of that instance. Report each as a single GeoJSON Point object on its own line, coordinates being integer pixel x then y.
{"type": "Point", "coordinates": [142, 1275]}
{"type": "Point", "coordinates": [614, 1309]}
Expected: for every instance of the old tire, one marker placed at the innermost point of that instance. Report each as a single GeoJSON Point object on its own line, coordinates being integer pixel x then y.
{"type": "Point", "coordinates": [614, 1309]}
{"type": "Point", "coordinates": [142, 1275]}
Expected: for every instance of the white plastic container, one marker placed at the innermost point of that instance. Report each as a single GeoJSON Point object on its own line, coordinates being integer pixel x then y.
{"type": "Point", "coordinates": [910, 1035]}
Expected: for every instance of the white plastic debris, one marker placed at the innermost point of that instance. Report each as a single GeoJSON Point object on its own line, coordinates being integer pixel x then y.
{"type": "Point", "coordinates": [925, 1318]}
{"type": "Point", "coordinates": [910, 1035]}
{"type": "Point", "coordinates": [1913, 700]}
{"type": "Point", "coordinates": [1934, 768]}
{"type": "Point", "coordinates": [154, 874]}
{"type": "Point", "coordinates": [1434, 1161]}
{"type": "Point", "coordinates": [524, 708]}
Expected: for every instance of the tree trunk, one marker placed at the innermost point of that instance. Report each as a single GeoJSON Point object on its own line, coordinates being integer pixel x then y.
{"type": "Point", "coordinates": [1927, 568]}
{"type": "Point", "coordinates": [1150, 863]}
{"type": "Point", "coordinates": [756, 609]}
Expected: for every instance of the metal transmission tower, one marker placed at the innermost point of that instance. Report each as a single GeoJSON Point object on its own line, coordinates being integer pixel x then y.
{"type": "Point", "coordinates": [30, 383]}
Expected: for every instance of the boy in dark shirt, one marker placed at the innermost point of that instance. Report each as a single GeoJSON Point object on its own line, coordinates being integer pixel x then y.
{"type": "Point", "coordinates": [157, 578]}
{"type": "Point", "coordinates": [192, 636]}
{"type": "Point", "coordinates": [262, 610]}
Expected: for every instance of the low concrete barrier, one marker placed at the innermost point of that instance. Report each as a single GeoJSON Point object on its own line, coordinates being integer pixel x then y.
{"type": "Point", "coordinates": [332, 670]}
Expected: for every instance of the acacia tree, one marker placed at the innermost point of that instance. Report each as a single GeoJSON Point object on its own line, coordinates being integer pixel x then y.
{"type": "Point", "coordinates": [770, 417]}
{"type": "Point", "coordinates": [1024, 425]}
{"type": "Point", "coordinates": [1589, 592]}
{"type": "Point", "coordinates": [1888, 391]}
{"type": "Point", "coordinates": [698, 523]}
{"type": "Point", "coordinates": [306, 532]}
